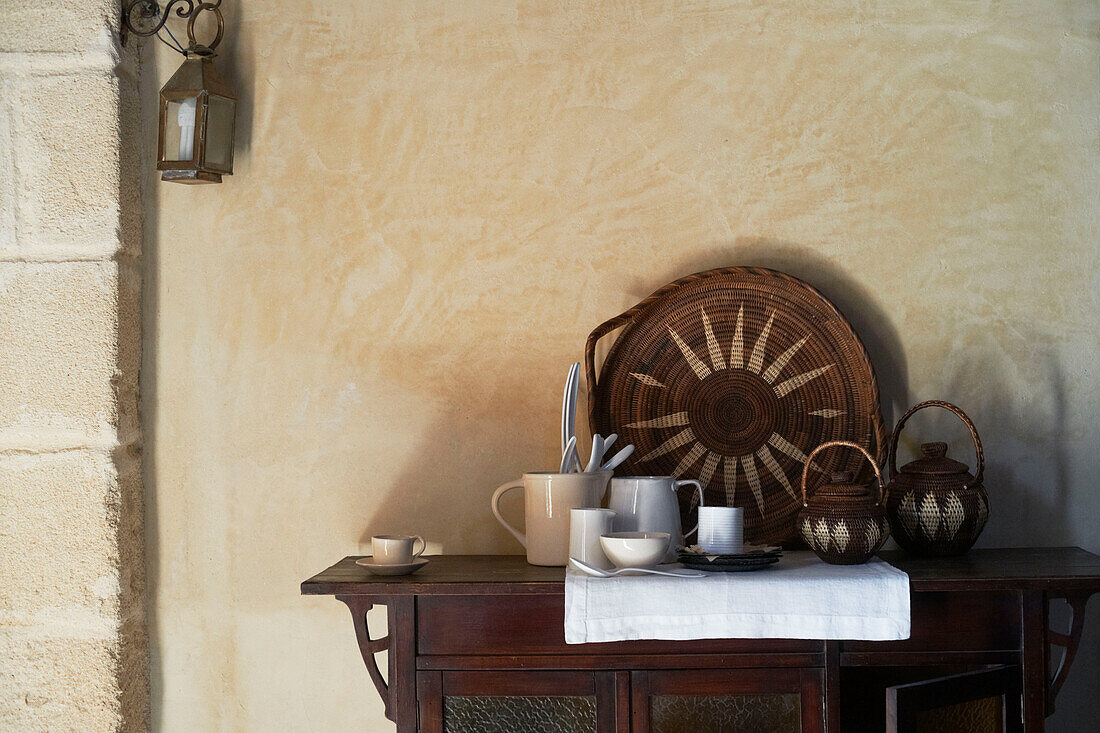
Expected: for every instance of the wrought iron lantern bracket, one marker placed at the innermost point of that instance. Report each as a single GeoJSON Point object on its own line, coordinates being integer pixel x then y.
{"type": "Point", "coordinates": [147, 18]}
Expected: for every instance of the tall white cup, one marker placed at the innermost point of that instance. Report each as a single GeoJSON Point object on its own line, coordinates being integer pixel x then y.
{"type": "Point", "coordinates": [585, 528]}
{"type": "Point", "coordinates": [721, 529]}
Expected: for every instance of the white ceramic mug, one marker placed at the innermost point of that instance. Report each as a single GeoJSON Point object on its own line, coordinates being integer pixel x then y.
{"type": "Point", "coordinates": [721, 529]}
{"type": "Point", "coordinates": [585, 528]}
{"type": "Point", "coordinates": [547, 499]}
{"type": "Point", "coordinates": [396, 549]}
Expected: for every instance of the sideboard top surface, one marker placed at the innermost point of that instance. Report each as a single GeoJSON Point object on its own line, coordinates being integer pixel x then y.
{"type": "Point", "coordinates": [1057, 569]}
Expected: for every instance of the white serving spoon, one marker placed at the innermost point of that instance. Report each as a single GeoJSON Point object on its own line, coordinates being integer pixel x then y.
{"type": "Point", "coordinates": [569, 405]}
{"type": "Point", "coordinates": [598, 573]}
{"type": "Point", "coordinates": [569, 457]}
{"type": "Point", "coordinates": [596, 455]}
{"type": "Point", "coordinates": [619, 458]}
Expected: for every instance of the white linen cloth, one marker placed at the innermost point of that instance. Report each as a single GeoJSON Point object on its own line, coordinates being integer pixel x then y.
{"type": "Point", "coordinates": [799, 598]}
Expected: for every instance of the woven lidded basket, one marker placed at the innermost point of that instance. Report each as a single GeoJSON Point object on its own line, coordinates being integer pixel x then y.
{"type": "Point", "coordinates": [936, 506]}
{"type": "Point", "coordinates": [843, 523]}
{"type": "Point", "coordinates": [732, 377]}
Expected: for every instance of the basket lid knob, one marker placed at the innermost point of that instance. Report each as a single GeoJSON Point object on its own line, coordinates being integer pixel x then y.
{"type": "Point", "coordinates": [934, 450]}
{"type": "Point", "coordinates": [934, 460]}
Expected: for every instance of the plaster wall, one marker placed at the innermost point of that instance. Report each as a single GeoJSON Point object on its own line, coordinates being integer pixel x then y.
{"type": "Point", "coordinates": [366, 328]}
{"type": "Point", "coordinates": [72, 624]}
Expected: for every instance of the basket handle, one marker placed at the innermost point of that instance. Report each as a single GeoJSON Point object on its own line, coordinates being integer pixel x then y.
{"type": "Point", "coordinates": [845, 443]}
{"type": "Point", "coordinates": [978, 451]}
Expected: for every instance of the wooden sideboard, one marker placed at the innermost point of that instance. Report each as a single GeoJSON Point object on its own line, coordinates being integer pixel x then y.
{"type": "Point", "coordinates": [476, 641]}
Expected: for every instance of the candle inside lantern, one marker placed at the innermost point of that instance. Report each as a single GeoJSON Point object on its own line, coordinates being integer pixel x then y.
{"type": "Point", "coordinates": [185, 118]}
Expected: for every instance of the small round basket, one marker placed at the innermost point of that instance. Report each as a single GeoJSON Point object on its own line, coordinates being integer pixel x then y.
{"type": "Point", "coordinates": [842, 522]}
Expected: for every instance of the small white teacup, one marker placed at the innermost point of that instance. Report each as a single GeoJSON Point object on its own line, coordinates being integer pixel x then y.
{"type": "Point", "coordinates": [396, 549]}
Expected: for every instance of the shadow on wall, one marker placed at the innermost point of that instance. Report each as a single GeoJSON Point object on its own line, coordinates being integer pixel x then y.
{"type": "Point", "coordinates": [150, 306]}
{"type": "Point", "coordinates": [853, 298]}
{"type": "Point", "coordinates": [1024, 437]}
{"type": "Point", "coordinates": [1024, 444]}
{"type": "Point", "coordinates": [239, 74]}
{"type": "Point", "coordinates": [153, 71]}
{"type": "Point", "coordinates": [443, 494]}
{"type": "Point", "coordinates": [446, 497]}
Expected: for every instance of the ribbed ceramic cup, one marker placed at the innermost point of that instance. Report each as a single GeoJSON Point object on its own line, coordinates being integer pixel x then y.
{"type": "Point", "coordinates": [721, 529]}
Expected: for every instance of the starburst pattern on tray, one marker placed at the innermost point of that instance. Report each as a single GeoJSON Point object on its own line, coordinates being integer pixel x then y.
{"type": "Point", "coordinates": [760, 456]}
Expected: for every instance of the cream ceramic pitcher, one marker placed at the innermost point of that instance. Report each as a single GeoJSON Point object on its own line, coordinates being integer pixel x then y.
{"type": "Point", "coordinates": [547, 499]}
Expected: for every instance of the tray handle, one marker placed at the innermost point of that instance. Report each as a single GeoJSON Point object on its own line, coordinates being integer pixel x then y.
{"type": "Point", "coordinates": [590, 357]}
{"type": "Point", "coordinates": [846, 444]}
{"type": "Point", "coordinates": [610, 325]}
{"type": "Point", "coordinates": [978, 450]}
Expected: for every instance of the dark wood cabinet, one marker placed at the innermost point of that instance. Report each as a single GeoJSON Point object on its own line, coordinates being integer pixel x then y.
{"type": "Point", "coordinates": [476, 643]}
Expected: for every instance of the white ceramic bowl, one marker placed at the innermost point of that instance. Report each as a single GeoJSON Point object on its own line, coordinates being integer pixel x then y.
{"type": "Point", "coordinates": [635, 549]}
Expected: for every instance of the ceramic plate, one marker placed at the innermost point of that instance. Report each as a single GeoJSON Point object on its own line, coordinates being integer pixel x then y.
{"type": "Point", "coordinates": [730, 566]}
{"type": "Point", "coordinates": [729, 559]}
{"type": "Point", "coordinates": [391, 569]}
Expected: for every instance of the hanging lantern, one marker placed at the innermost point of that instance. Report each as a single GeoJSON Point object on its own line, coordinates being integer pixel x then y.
{"type": "Point", "coordinates": [198, 113]}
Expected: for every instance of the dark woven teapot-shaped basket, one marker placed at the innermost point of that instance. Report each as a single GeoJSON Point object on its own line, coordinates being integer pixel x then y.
{"type": "Point", "coordinates": [843, 522]}
{"type": "Point", "coordinates": [936, 506]}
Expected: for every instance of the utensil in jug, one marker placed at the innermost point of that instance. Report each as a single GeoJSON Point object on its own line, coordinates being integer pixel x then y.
{"type": "Point", "coordinates": [617, 459]}
{"type": "Point", "coordinates": [596, 455]}
{"type": "Point", "coordinates": [569, 457]}
{"type": "Point", "coordinates": [569, 405]}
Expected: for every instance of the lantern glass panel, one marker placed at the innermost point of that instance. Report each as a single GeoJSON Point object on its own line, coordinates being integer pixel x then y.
{"type": "Point", "coordinates": [220, 115]}
{"type": "Point", "coordinates": [179, 129]}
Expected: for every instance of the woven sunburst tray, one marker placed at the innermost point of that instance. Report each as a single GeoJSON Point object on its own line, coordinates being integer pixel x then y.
{"type": "Point", "coordinates": [732, 377]}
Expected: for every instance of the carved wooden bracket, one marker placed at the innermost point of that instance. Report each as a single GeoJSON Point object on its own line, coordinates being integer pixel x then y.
{"type": "Point", "coordinates": [1069, 642]}
{"type": "Point", "coordinates": [368, 647]}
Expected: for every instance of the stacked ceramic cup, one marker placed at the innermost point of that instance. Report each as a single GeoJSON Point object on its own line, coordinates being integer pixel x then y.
{"type": "Point", "coordinates": [721, 529]}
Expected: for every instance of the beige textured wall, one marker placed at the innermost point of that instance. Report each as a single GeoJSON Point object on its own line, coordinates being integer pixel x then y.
{"type": "Point", "coordinates": [72, 638]}
{"type": "Point", "coordinates": [366, 328]}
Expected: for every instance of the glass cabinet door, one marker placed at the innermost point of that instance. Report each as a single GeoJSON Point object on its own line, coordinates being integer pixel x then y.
{"type": "Point", "coordinates": [508, 713]}
{"type": "Point", "coordinates": [727, 701]}
{"type": "Point", "coordinates": [981, 701]}
{"type": "Point", "coordinates": [510, 701]}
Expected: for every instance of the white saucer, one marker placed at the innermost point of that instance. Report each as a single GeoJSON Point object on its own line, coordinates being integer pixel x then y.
{"type": "Point", "coordinates": [379, 568]}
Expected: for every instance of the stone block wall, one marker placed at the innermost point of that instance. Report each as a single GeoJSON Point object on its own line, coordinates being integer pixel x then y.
{"type": "Point", "coordinates": [72, 628]}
